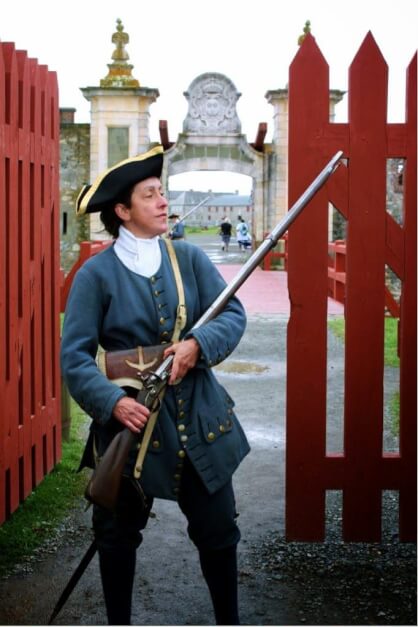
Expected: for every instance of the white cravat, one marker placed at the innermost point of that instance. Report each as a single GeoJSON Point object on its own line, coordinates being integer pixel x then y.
{"type": "Point", "coordinates": [142, 256]}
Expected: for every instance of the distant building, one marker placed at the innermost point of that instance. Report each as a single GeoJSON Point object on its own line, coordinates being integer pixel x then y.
{"type": "Point", "coordinates": [218, 206]}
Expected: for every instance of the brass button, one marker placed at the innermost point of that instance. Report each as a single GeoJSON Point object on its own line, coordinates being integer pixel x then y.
{"type": "Point", "coordinates": [164, 333]}
{"type": "Point", "coordinates": [211, 436]}
{"type": "Point", "coordinates": [182, 454]}
{"type": "Point", "coordinates": [153, 279]}
{"type": "Point", "coordinates": [180, 402]}
{"type": "Point", "coordinates": [229, 411]}
{"type": "Point", "coordinates": [176, 490]}
{"type": "Point", "coordinates": [162, 320]}
{"type": "Point", "coordinates": [156, 444]}
{"type": "Point", "coordinates": [181, 427]}
{"type": "Point", "coordinates": [221, 428]}
{"type": "Point", "coordinates": [228, 423]}
{"type": "Point", "coordinates": [156, 293]}
{"type": "Point", "coordinates": [177, 477]}
{"type": "Point", "coordinates": [183, 438]}
{"type": "Point", "coordinates": [182, 414]}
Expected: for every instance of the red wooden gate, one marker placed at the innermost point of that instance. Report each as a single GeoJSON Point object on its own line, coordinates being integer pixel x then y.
{"type": "Point", "coordinates": [30, 436]}
{"type": "Point", "coordinates": [361, 470]}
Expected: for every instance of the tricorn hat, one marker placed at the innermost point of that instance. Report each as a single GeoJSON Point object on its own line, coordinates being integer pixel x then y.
{"type": "Point", "coordinates": [108, 186]}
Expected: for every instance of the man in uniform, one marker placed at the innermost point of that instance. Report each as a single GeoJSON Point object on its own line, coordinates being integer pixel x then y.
{"type": "Point", "coordinates": [126, 297]}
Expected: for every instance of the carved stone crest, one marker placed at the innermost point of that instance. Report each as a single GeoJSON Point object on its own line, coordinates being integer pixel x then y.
{"type": "Point", "coordinates": [212, 101]}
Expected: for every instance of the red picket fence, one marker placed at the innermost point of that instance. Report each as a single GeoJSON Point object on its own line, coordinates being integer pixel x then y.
{"type": "Point", "coordinates": [30, 430]}
{"type": "Point", "coordinates": [362, 471]}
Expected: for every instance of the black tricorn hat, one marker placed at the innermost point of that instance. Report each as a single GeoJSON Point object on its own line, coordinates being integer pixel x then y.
{"type": "Point", "coordinates": [107, 187]}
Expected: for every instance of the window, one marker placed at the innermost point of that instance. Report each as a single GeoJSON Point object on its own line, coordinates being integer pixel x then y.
{"type": "Point", "coordinates": [117, 144]}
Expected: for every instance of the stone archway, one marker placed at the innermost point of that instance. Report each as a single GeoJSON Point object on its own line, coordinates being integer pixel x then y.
{"type": "Point", "coordinates": [211, 140]}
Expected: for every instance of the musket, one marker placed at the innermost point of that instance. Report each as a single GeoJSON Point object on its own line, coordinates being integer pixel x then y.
{"type": "Point", "coordinates": [108, 473]}
{"type": "Point", "coordinates": [106, 477]}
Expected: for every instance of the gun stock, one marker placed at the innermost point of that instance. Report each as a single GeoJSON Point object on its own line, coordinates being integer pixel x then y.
{"type": "Point", "coordinates": [104, 484]}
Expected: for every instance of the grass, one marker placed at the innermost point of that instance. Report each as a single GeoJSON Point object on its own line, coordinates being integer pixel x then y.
{"type": "Point", "coordinates": [40, 514]}
{"type": "Point", "coordinates": [197, 230]}
{"type": "Point", "coordinates": [391, 358]}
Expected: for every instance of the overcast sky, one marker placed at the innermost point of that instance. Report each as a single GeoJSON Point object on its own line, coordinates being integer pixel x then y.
{"type": "Point", "coordinates": [174, 41]}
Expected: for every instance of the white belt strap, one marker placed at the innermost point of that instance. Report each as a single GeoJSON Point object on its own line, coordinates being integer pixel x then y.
{"type": "Point", "coordinates": [180, 323]}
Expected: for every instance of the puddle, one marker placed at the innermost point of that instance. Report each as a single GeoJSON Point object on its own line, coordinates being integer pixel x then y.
{"type": "Point", "coordinates": [241, 367]}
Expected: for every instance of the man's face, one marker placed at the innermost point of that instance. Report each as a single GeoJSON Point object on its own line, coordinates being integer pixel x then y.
{"type": "Point", "coordinates": [147, 215]}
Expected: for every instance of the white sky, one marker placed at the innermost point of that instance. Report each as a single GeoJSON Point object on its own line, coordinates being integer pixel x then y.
{"type": "Point", "coordinates": [174, 41]}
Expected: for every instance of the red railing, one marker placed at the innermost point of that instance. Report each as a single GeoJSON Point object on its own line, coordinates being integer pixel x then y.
{"type": "Point", "coordinates": [30, 428]}
{"type": "Point", "coordinates": [337, 252]}
{"type": "Point", "coordinates": [87, 250]}
{"type": "Point", "coordinates": [336, 270]}
{"type": "Point", "coordinates": [361, 470]}
{"type": "Point", "coordinates": [279, 252]}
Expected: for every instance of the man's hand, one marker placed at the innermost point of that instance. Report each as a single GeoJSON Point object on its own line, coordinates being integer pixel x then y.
{"type": "Point", "coordinates": [131, 414]}
{"type": "Point", "coordinates": [186, 354]}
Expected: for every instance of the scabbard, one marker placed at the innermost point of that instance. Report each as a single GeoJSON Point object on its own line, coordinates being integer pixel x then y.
{"type": "Point", "coordinates": [88, 556]}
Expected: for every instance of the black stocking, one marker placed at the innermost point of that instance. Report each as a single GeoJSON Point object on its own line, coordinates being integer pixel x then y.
{"type": "Point", "coordinates": [117, 570]}
{"type": "Point", "coordinates": [219, 569]}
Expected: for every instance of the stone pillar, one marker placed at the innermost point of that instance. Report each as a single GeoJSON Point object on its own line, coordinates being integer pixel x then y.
{"type": "Point", "coordinates": [122, 108]}
{"type": "Point", "coordinates": [119, 102]}
{"type": "Point", "coordinates": [279, 98]}
{"type": "Point", "coordinates": [278, 187]}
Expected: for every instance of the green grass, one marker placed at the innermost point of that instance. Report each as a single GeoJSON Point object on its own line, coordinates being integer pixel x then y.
{"type": "Point", "coordinates": [390, 359]}
{"type": "Point", "coordinates": [197, 230]}
{"type": "Point", "coordinates": [39, 515]}
{"type": "Point", "coordinates": [337, 325]}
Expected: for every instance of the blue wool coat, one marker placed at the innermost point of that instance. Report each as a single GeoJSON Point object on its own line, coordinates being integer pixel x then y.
{"type": "Point", "coordinates": [112, 307]}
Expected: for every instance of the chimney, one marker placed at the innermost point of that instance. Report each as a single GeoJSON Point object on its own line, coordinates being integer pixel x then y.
{"type": "Point", "coordinates": [67, 115]}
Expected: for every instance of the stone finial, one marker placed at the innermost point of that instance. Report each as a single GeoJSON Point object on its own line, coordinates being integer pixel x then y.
{"type": "Point", "coordinates": [120, 71]}
{"type": "Point", "coordinates": [306, 30]}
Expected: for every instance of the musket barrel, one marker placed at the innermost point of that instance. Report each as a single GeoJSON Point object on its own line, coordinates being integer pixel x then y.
{"type": "Point", "coordinates": [269, 242]}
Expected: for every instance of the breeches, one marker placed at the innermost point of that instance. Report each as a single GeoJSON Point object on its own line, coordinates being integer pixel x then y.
{"type": "Point", "coordinates": [211, 517]}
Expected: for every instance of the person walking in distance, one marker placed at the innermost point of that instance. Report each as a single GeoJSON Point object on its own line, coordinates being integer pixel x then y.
{"type": "Point", "coordinates": [225, 230]}
{"type": "Point", "coordinates": [243, 235]}
{"type": "Point", "coordinates": [126, 297]}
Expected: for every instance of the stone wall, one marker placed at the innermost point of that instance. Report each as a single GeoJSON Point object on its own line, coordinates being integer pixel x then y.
{"type": "Point", "coordinates": [74, 172]}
